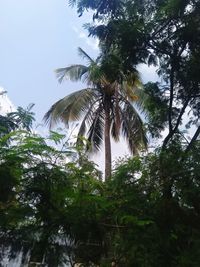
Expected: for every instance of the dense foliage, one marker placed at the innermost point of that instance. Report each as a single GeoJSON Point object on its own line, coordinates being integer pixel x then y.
{"type": "Point", "coordinates": [161, 33]}
{"type": "Point", "coordinates": [57, 211]}
{"type": "Point", "coordinates": [54, 207]}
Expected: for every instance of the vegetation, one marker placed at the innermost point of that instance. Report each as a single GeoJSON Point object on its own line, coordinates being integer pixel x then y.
{"type": "Point", "coordinates": [58, 212]}
{"type": "Point", "coordinates": [54, 207]}
{"type": "Point", "coordinates": [105, 105]}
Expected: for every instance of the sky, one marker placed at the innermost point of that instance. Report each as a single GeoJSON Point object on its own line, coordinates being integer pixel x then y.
{"type": "Point", "coordinates": [38, 36]}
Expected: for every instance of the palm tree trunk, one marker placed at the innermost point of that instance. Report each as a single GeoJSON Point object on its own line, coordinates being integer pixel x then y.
{"type": "Point", "coordinates": [108, 160]}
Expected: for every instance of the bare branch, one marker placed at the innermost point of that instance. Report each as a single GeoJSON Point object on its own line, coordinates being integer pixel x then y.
{"type": "Point", "coordinates": [173, 131]}
{"type": "Point", "coordinates": [171, 98]}
{"type": "Point", "coordinates": [194, 138]}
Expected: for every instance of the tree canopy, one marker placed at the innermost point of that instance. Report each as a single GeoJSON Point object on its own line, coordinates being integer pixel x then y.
{"type": "Point", "coordinates": [105, 106]}
{"type": "Point", "coordinates": [54, 207]}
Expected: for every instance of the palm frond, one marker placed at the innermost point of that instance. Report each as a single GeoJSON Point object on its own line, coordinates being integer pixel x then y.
{"type": "Point", "coordinates": [115, 132]}
{"type": "Point", "coordinates": [131, 86]}
{"type": "Point", "coordinates": [87, 121]}
{"type": "Point", "coordinates": [71, 107]}
{"type": "Point", "coordinates": [84, 55]}
{"type": "Point", "coordinates": [96, 130]}
{"type": "Point", "coordinates": [95, 74]}
{"type": "Point", "coordinates": [134, 94]}
{"type": "Point", "coordinates": [72, 73]}
{"type": "Point", "coordinates": [133, 78]}
{"type": "Point", "coordinates": [132, 127]}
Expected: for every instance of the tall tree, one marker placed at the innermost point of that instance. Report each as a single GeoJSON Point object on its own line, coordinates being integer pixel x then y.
{"type": "Point", "coordinates": [104, 106]}
{"type": "Point", "coordinates": [161, 33]}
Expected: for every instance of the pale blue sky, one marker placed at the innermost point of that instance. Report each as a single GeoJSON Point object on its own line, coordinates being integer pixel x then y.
{"type": "Point", "coordinates": [38, 36]}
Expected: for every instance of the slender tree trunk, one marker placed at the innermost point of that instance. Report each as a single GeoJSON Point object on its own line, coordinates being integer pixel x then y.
{"type": "Point", "coordinates": [108, 160]}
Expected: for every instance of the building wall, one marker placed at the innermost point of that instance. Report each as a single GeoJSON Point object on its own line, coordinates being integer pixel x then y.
{"type": "Point", "coordinates": [6, 105]}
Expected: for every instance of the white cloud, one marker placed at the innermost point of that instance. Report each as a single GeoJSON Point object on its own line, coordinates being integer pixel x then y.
{"type": "Point", "coordinates": [91, 42]}
{"type": "Point", "coordinates": [148, 73]}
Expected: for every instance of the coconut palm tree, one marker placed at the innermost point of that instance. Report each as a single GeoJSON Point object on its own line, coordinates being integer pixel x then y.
{"type": "Point", "coordinates": [105, 106]}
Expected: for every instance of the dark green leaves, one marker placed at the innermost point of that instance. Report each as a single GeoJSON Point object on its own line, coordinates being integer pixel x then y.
{"type": "Point", "coordinates": [71, 107]}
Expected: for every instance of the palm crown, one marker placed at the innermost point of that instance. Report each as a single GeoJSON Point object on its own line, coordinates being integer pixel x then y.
{"type": "Point", "coordinates": [105, 106]}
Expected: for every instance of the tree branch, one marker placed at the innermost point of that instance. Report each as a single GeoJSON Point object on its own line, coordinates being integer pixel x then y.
{"type": "Point", "coordinates": [171, 98]}
{"type": "Point", "coordinates": [173, 131]}
{"type": "Point", "coordinates": [160, 29]}
{"type": "Point", "coordinates": [194, 138]}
